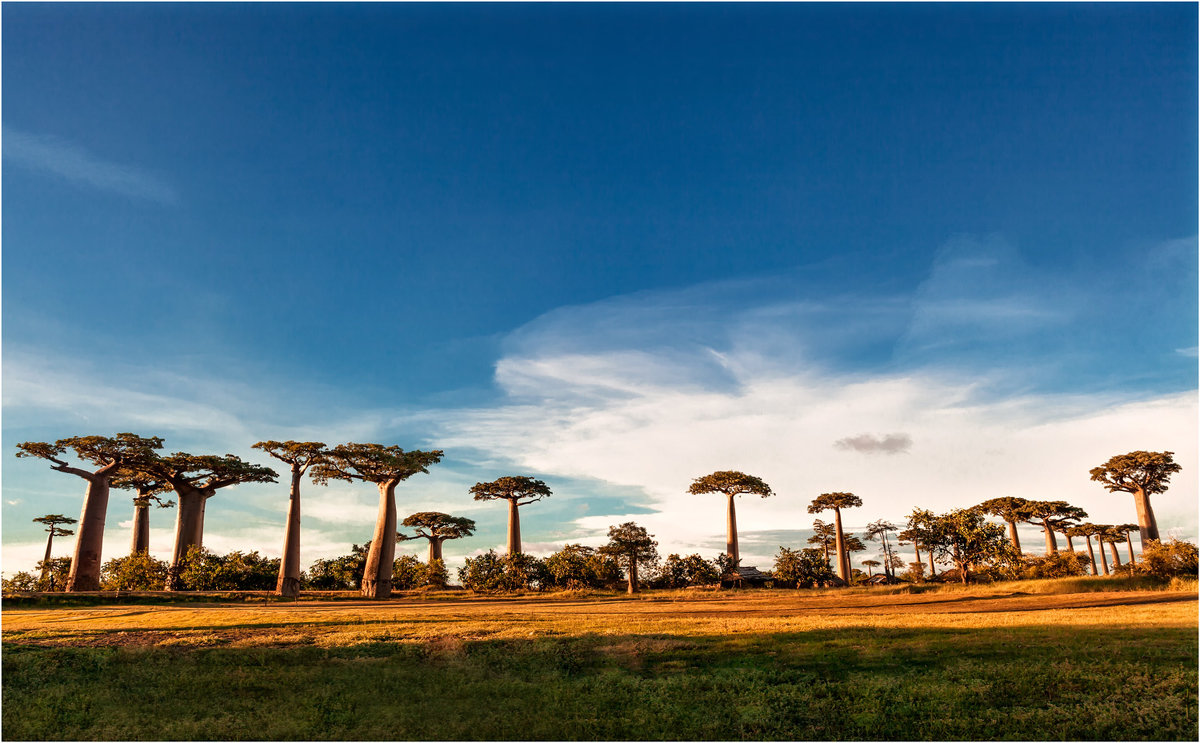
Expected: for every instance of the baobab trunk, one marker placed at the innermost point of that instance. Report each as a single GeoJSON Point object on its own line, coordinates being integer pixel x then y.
{"type": "Point", "coordinates": [289, 567]}
{"type": "Point", "coordinates": [377, 575]}
{"type": "Point", "coordinates": [85, 565]}
{"type": "Point", "coordinates": [141, 529]}
{"type": "Point", "coordinates": [1051, 542]}
{"type": "Point", "coordinates": [1115, 556]}
{"type": "Point", "coordinates": [1149, 527]}
{"type": "Point", "coordinates": [1012, 536]}
{"type": "Point", "coordinates": [514, 527]}
{"type": "Point", "coordinates": [189, 520]}
{"type": "Point", "coordinates": [1103, 559]}
{"type": "Point", "coordinates": [435, 549]}
{"type": "Point", "coordinates": [839, 547]}
{"type": "Point", "coordinates": [1070, 544]}
{"type": "Point", "coordinates": [1129, 541]}
{"type": "Point", "coordinates": [1092, 555]}
{"type": "Point", "coordinates": [932, 569]}
{"type": "Point", "coordinates": [46, 559]}
{"type": "Point", "coordinates": [731, 545]}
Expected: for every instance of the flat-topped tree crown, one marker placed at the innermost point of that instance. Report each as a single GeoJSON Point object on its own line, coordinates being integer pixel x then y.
{"type": "Point", "coordinates": [375, 463]}
{"type": "Point", "coordinates": [836, 501]}
{"type": "Point", "coordinates": [516, 488]}
{"type": "Point", "coordinates": [52, 521]}
{"type": "Point", "coordinates": [730, 482]}
{"type": "Point", "coordinates": [1141, 473]}
{"type": "Point", "coordinates": [206, 472]}
{"type": "Point", "coordinates": [1052, 515]}
{"type": "Point", "coordinates": [1007, 508]}
{"type": "Point", "coordinates": [434, 524]}
{"type": "Point", "coordinates": [299, 454]}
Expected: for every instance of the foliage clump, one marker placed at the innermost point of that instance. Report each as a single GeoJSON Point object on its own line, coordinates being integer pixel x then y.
{"type": "Point", "coordinates": [684, 572]}
{"type": "Point", "coordinates": [578, 566]}
{"type": "Point", "coordinates": [803, 568]}
{"type": "Point", "coordinates": [490, 572]}
{"type": "Point", "coordinates": [203, 570]}
{"type": "Point", "coordinates": [136, 572]}
{"type": "Point", "coordinates": [1172, 559]}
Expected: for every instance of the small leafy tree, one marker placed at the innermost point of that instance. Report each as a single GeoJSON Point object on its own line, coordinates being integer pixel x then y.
{"type": "Point", "coordinates": [824, 536]}
{"type": "Point", "coordinates": [136, 572]}
{"type": "Point", "coordinates": [870, 564]}
{"type": "Point", "coordinates": [203, 570]}
{"type": "Point", "coordinates": [681, 572]}
{"type": "Point", "coordinates": [965, 538]}
{"type": "Point", "coordinates": [52, 521]}
{"type": "Point", "coordinates": [1142, 474]}
{"type": "Point", "coordinates": [437, 527]}
{"type": "Point", "coordinates": [56, 572]}
{"type": "Point", "coordinates": [730, 483]}
{"type": "Point", "coordinates": [631, 545]}
{"type": "Point", "coordinates": [490, 572]}
{"type": "Point", "coordinates": [518, 490]}
{"type": "Point", "coordinates": [578, 566]}
{"type": "Point", "coordinates": [806, 568]}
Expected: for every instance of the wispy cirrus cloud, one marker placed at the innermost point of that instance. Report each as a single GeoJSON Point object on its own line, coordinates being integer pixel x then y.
{"type": "Point", "coordinates": [58, 157]}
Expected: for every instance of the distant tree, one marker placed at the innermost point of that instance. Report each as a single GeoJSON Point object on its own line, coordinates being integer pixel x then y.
{"type": "Point", "coordinates": [519, 491]}
{"type": "Point", "coordinates": [824, 535]}
{"type": "Point", "coordinates": [437, 527]}
{"type": "Point", "coordinates": [879, 530]}
{"type": "Point", "coordinates": [909, 536]}
{"type": "Point", "coordinates": [147, 491]}
{"type": "Point", "coordinates": [837, 501]}
{"type": "Point", "coordinates": [387, 467]}
{"type": "Point", "coordinates": [300, 456]}
{"type": "Point", "coordinates": [195, 478]}
{"type": "Point", "coordinates": [1120, 533]}
{"type": "Point", "coordinates": [1085, 530]}
{"type": "Point", "coordinates": [1143, 474]}
{"type": "Point", "coordinates": [109, 456]}
{"type": "Point", "coordinates": [1012, 510]}
{"type": "Point", "coordinates": [965, 538]}
{"type": "Point", "coordinates": [1051, 516]}
{"type": "Point", "coordinates": [136, 572]}
{"type": "Point", "coordinates": [730, 483]}
{"type": "Point", "coordinates": [920, 530]}
{"type": "Point", "coordinates": [871, 564]}
{"type": "Point", "coordinates": [57, 572]}
{"type": "Point", "coordinates": [632, 545]}
{"type": "Point", "coordinates": [853, 544]}
{"type": "Point", "coordinates": [680, 572]}
{"type": "Point", "coordinates": [802, 568]}
{"type": "Point", "coordinates": [52, 520]}
{"type": "Point", "coordinates": [578, 566]}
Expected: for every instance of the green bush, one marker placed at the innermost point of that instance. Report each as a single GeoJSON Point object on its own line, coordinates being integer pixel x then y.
{"type": "Point", "coordinates": [578, 566]}
{"type": "Point", "coordinates": [681, 572]}
{"type": "Point", "coordinates": [136, 572]}
{"type": "Point", "coordinates": [1054, 565]}
{"type": "Point", "coordinates": [1173, 559]}
{"type": "Point", "coordinates": [805, 568]}
{"type": "Point", "coordinates": [202, 570]}
{"type": "Point", "coordinates": [491, 572]}
{"type": "Point", "coordinates": [337, 574]}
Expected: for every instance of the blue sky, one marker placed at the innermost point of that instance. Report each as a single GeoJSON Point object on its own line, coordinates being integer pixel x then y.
{"type": "Point", "coordinates": [615, 246]}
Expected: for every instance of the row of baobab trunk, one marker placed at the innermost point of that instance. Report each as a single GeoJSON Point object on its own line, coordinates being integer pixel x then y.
{"type": "Point", "coordinates": [128, 461]}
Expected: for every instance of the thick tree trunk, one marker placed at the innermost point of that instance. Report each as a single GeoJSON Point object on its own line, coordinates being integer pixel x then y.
{"type": "Point", "coordinates": [1051, 542]}
{"type": "Point", "coordinates": [377, 575]}
{"type": "Point", "coordinates": [1129, 541]}
{"type": "Point", "coordinates": [1092, 555]}
{"type": "Point", "coordinates": [189, 521]}
{"type": "Point", "coordinates": [1012, 536]}
{"type": "Point", "coordinates": [633, 577]}
{"type": "Point", "coordinates": [1149, 527]}
{"type": "Point", "coordinates": [85, 565]}
{"type": "Point", "coordinates": [1070, 544]}
{"type": "Point", "coordinates": [141, 529]}
{"type": "Point", "coordinates": [731, 545]}
{"type": "Point", "coordinates": [514, 527]}
{"type": "Point", "coordinates": [1116, 557]}
{"type": "Point", "coordinates": [288, 583]}
{"type": "Point", "coordinates": [435, 548]}
{"type": "Point", "coordinates": [1103, 559]}
{"type": "Point", "coordinates": [839, 547]}
{"type": "Point", "coordinates": [932, 567]}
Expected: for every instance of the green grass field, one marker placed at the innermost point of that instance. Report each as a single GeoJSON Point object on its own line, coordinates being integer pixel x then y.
{"type": "Point", "coordinates": [1049, 661]}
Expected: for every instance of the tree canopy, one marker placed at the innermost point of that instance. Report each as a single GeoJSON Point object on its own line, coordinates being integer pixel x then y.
{"type": "Point", "coordinates": [1138, 471]}
{"type": "Point", "coordinates": [836, 501]}
{"type": "Point", "coordinates": [515, 488]}
{"type": "Point", "coordinates": [436, 525]}
{"type": "Point", "coordinates": [730, 482]}
{"type": "Point", "coordinates": [124, 449]}
{"type": "Point", "coordinates": [52, 520]}
{"type": "Point", "coordinates": [301, 455]}
{"type": "Point", "coordinates": [631, 544]}
{"type": "Point", "coordinates": [205, 471]}
{"type": "Point", "coordinates": [373, 463]}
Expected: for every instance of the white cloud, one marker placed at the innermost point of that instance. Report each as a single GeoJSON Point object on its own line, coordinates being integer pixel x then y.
{"type": "Point", "coordinates": [65, 160]}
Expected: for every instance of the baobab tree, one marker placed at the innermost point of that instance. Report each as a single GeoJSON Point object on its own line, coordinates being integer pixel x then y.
{"type": "Point", "coordinates": [109, 455]}
{"type": "Point", "coordinates": [300, 456]}
{"type": "Point", "coordinates": [629, 543]}
{"type": "Point", "coordinates": [437, 528]}
{"type": "Point", "coordinates": [731, 484]}
{"type": "Point", "coordinates": [387, 467]}
{"type": "Point", "coordinates": [1143, 474]}
{"type": "Point", "coordinates": [195, 478]}
{"type": "Point", "coordinates": [1012, 510]}
{"type": "Point", "coordinates": [1120, 533]}
{"type": "Point", "coordinates": [519, 491]}
{"type": "Point", "coordinates": [52, 521]}
{"type": "Point", "coordinates": [1085, 530]}
{"type": "Point", "coordinates": [871, 564]}
{"type": "Point", "coordinates": [148, 489]}
{"type": "Point", "coordinates": [1110, 536]}
{"type": "Point", "coordinates": [912, 536]}
{"type": "Point", "coordinates": [837, 501]}
{"type": "Point", "coordinates": [1051, 516]}
{"type": "Point", "coordinates": [823, 535]}
{"type": "Point", "coordinates": [879, 530]}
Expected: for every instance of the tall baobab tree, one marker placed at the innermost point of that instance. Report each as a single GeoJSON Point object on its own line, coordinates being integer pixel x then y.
{"type": "Point", "coordinates": [300, 456]}
{"type": "Point", "coordinates": [1012, 510]}
{"type": "Point", "coordinates": [823, 535]}
{"type": "Point", "coordinates": [879, 530]}
{"type": "Point", "coordinates": [147, 490]}
{"type": "Point", "coordinates": [837, 501]}
{"type": "Point", "coordinates": [195, 478]}
{"type": "Point", "coordinates": [519, 491]}
{"type": "Point", "coordinates": [631, 544]}
{"type": "Point", "coordinates": [437, 528]}
{"type": "Point", "coordinates": [109, 455]}
{"type": "Point", "coordinates": [52, 521]}
{"type": "Point", "coordinates": [731, 484]}
{"type": "Point", "coordinates": [387, 467]}
{"type": "Point", "coordinates": [1052, 515]}
{"type": "Point", "coordinates": [1143, 474]}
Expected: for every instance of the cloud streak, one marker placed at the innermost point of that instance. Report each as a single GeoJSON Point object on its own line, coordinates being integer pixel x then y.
{"type": "Point", "coordinates": [892, 443]}
{"type": "Point", "coordinates": [57, 157]}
